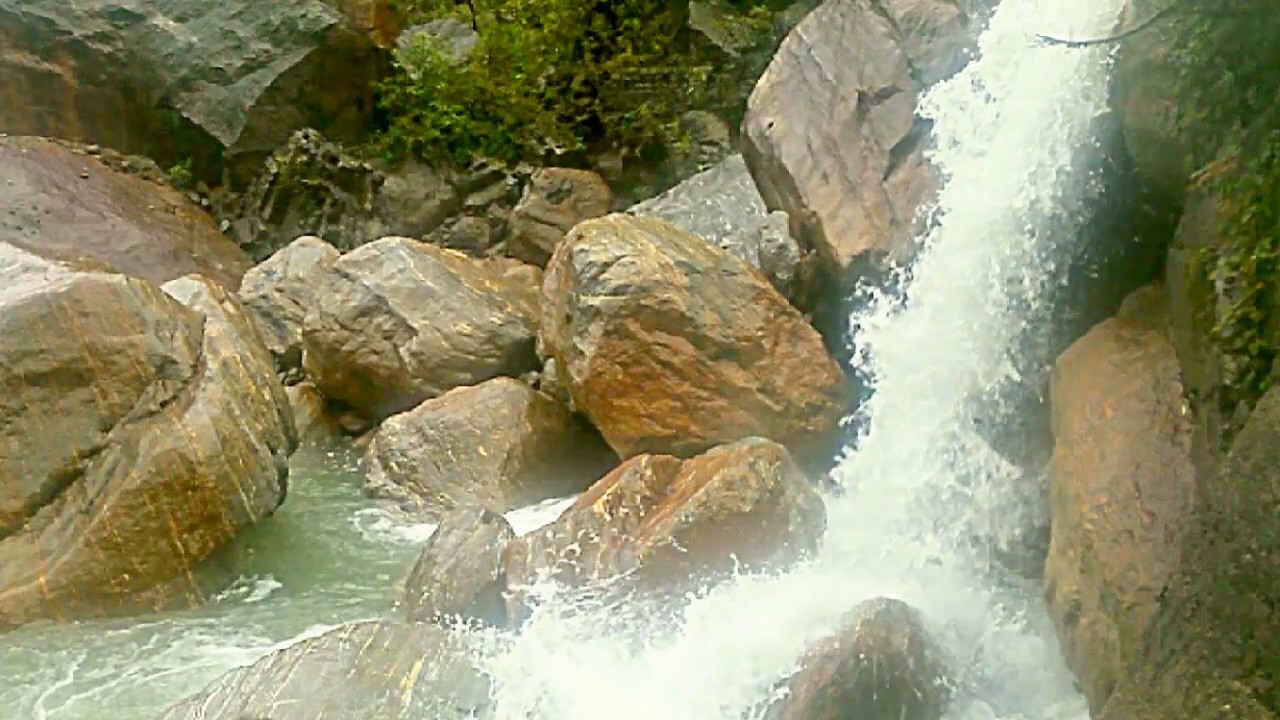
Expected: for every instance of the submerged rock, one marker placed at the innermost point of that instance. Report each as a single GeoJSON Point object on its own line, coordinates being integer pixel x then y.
{"type": "Point", "coordinates": [398, 321]}
{"type": "Point", "coordinates": [137, 437]}
{"type": "Point", "coordinates": [500, 444]}
{"type": "Point", "coordinates": [671, 345]}
{"type": "Point", "coordinates": [278, 292]}
{"type": "Point", "coordinates": [555, 200]}
{"type": "Point", "coordinates": [459, 572]}
{"type": "Point", "coordinates": [364, 671]}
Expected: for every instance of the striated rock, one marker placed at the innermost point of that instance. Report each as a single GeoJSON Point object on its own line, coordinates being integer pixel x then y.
{"type": "Point", "coordinates": [64, 204]}
{"type": "Point", "coordinates": [500, 444]}
{"type": "Point", "coordinates": [278, 293]}
{"type": "Point", "coordinates": [399, 321]}
{"type": "Point", "coordinates": [830, 132]}
{"type": "Point", "coordinates": [137, 437]}
{"type": "Point", "coordinates": [882, 665]}
{"type": "Point", "coordinates": [1123, 487]}
{"type": "Point", "coordinates": [667, 523]}
{"type": "Point", "coordinates": [459, 572]}
{"type": "Point", "coordinates": [671, 345]}
{"type": "Point", "coordinates": [363, 671]}
{"type": "Point", "coordinates": [555, 200]}
{"type": "Point", "coordinates": [722, 206]}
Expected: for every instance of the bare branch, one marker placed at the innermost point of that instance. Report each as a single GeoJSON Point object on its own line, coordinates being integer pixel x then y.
{"type": "Point", "coordinates": [1048, 40]}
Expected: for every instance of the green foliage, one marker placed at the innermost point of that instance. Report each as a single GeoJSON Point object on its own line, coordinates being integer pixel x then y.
{"type": "Point", "coordinates": [180, 174]}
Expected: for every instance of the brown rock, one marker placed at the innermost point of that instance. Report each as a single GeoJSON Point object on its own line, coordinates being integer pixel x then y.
{"type": "Point", "coordinates": [1122, 489]}
{"type": "Point", "coordinates": [882, 665]}
{"type": "Point", "coordinates": [670, 345]}
{"type": "Point", "coordinates": [278, 292]}
{"type": "Point", "coordinates": [400, 321]}
{"type": "Point", "coordinates": [459, 572]}
{"type": "Point", "coordinates": [667, 522]}
{"type": "Point", "coordinates": [555, 200]}
{"type": "Point", "coordinates": [137, 439]}
{"type": "Point", "coordinates": [64, 204]}
{"type": "Point", "coordinates": [377, 18]}
{"type": "Point", "coordinates": [500, 444]}
{"type": "Point", "coordinates": [311, 414]}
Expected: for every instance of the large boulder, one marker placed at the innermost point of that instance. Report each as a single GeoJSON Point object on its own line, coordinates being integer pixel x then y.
{"type": "Point", "coordinates": [363, 671]}
{"type": "Point", "coordinates": [882, 665]}
{"type": "Point", "coordinates": [500, 444]}
{"type": "Point", "coordinates": [830, 133]}
{"type": "Point", "coordinates": [555, 200]}
{"type": "Point", "coordinates": [398, 321]}
{"type": "Point", "coordinates": [666, 523]}
{"type": "Point", "coordinates": [1123, 488]}
{"type": "Point", "coordinates": [459, 571]}
{"type": "Point", "coordinates": [62, 202]}
{"type": "Point", "coordinates": [278, 292]}
{"type": "Point", "coordinates": [722, 206]}
{"type": "Point", "coordinates": [672, 345]}
{"type": "Point", "coordinates": [137, 437]}
{"type": "Point", "coordinates": [175, 79]}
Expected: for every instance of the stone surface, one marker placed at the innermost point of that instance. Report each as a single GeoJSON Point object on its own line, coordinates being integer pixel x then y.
{"type": "Point", "coordinates": [500, 444]}
{"type": "Point", "coordinates": [451, 36]}
{"type": "Point", "coordinates": [459, 572]}
{"type": "Point", "coordinates": [882, 665]}
{"type": "Point", "coordinates": [670, 524]}
{"type": "Point", "coordinates": [311, 414]}
{"type": "Point", "coordinates": [722, 206]}
{"type": "Point", "coordinates": [400, 321]}
{"type": "Point", "coordinates": [363, 671]}
{"type": "Point", "coordinates": [555, 200]}
{"type": "Point", "coordinates": [278, 292]}
{"type": "Point", "coordinates": [58, 201]}
{"type": "Point", "coordinates": [670, 345]}
{"type": "Point", "coordinates": [1123, 489]}
{"type": "Point", "coordinates": [137, 437]}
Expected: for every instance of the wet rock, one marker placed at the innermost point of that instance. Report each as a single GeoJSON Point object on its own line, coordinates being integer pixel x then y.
{"type": "Point", "coordinates": [62, 203]}
{"type": "Point", "coordinates": [666, 523]}
{"type": "Point", "coordinates": [311, 414]}
{"type": "Point", "coordinates": [278, 292]}
{"type": "Point", "coordinates": [500, 444]}
{"type": "Point", "coordinates": [555, 200]}
{"type": "Point", "coordinates": [459, 572]}
{"type": "Point", "coordinates": [722, 206]}
{"type": "Point", "coordinates": [137, 437]}
{"type": "Point", "coordinates": [363, 671]}
{"type": "Point", "coordinates": [1123, 488]}
{"type": "Point", "coordinates": [399, 321]}
{"type": "Point", "coordinates": [671, 345]}
{"type": "Point", "coordinates": [882, 665]}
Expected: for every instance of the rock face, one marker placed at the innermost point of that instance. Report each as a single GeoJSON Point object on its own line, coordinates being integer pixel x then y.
{"type": "Point", "coordinates": [459, 572]}
{"type": "Point", "coordinates": [669, 522]}
{"type": "Point", "coordinates": [1123, 488]}
{"type": "Point", "coordinates": [399, 321]}
{"type": "Point", "coordinates": [500, 444]}
{"type": "Point", "coordinates": [163, 77]}
{"type": "Point", "coordinates": [882, 665]}
{"type": "Point", "coordinates": [555, 200]}
{"type": "Point", "coordinates": [670, 345]}
{"type": "Point", "coordinates": [365, 671]}
{"type": "Point", "coordinates": [830, 133]}
{"type": "Point", "coordinates": [139, 436]}
{"type": "Point", "coordinates": [278, 293]}
{"type": "Point", "coordinates": [722, 206]}
{"type": "Point", "coordinates": [62, 203]}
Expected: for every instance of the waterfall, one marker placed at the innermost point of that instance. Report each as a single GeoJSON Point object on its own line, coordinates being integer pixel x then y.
{"type": "Point", "coordinates": [1014, 132]}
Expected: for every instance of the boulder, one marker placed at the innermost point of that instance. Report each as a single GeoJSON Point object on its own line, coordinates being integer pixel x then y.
{"type": "Point", "coordinates": [399, 321]}
{"type": "Point", "coordinates": [311, 414]}
{"type": "Point", "coordinates": [830, 132]}
{"type": "Point", "coordinates": [722, 206]}
{"type": "Point", "coordinates": [62, 202]}
{"type": "Point", "coordinates": [278, 292]}
{"type": "Point", "coordinates": [882, 665]}
{"type": "Point", "coordinates": [137, 437]}
{"type": "Point", "coordinates": [176, 80]}
{"type": "Point", "coordinates": [555, 200]}
{"type": "Point", "coordinates": [459, 572]}
{"type": "Point", "coordinates": [1122, 492]}
{"type": "Point", "coordinates": [666, 523]}
{"type": "Point", "coordinates": [671, 345]}
{"type": "Point", "coordinates": [362, 671]}
{"type": "Point", "coordinates": [500, 444]}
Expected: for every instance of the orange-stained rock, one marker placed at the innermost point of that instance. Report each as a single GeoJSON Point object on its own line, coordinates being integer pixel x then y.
{"type": "Point", "coordinates": [670, 345]}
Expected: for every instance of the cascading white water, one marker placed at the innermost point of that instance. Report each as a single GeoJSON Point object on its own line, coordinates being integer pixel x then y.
{"type": "Point", "coordinates": [921, 481]}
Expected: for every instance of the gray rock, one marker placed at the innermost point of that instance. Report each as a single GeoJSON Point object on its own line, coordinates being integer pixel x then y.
{"type": "Point", "coordinates": [451, 36]}
{"type": "Point", "coordinates": [278, 293]}
{"type": "Point", "coordinates": [555, 200]}
{"type": "Point", "coordinates": [459, 572]}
